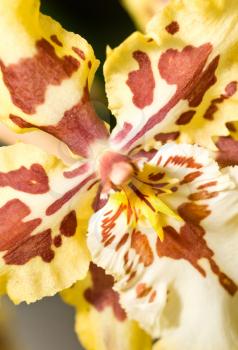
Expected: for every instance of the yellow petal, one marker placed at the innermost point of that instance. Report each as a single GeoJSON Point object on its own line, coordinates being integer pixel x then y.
{"type": "Point", "coordinates": [46, 73]}
{"type": "Point", "coordinates": [143, 10]}
{"type": "Point", "coordinates": [179, 81]}
{"type": "Point", "coordinates": [101, 324]}
{"type": "Point", "coordinates": [42, 224]}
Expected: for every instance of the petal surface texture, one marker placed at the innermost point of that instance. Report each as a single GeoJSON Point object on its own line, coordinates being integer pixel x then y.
{"type": "Point", "coordinates": [227, 153]}
{"type": "Point", "coordinates": [44, 211]}
{"type": "Point", "coordinates": [178, 81]}
{"type": "Point", "coordinates": [182, 277]}
{"type": "Point", "coordinates": [46, 74]}
{"type": "Point", "coordinates": [142, 11]}
{"type": "Point", "coordinates": [101, 323]}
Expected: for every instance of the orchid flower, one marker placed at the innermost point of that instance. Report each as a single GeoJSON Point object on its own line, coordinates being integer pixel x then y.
{"type": "Point", "coordinates": [158, 193]}
{"type": "Point", "coordinates": [177, 82]}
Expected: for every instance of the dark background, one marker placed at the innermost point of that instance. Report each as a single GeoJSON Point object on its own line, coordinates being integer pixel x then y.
{"type": "Point", "coordinates": [100, 22]}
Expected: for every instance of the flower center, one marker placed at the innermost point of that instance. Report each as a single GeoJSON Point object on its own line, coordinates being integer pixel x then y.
{"type": "Point", "coordinates": [144, 197]}
{"type": "Point", "coordinates": [139, 189]}
{"type": "Point", "coordinates": [115, 168]}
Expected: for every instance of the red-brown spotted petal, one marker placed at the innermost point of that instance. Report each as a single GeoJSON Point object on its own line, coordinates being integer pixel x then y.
{"type": "Point", "coordinates": [192, 271]}
{"type": "Point", "coordinates": [46, 74]}
{"type": "Point", "coordinates": [101, 323]}
{"type": "Point", "coordinates": [42, 224]}
{"type": "Point", "coordinates": [173, 82]}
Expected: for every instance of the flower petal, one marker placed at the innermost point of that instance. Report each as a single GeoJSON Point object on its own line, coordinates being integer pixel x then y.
{"type": "Point", "coordinates": [178, 82]}
{"type": "Point", "coordinates": [227, 153]}
{"type": "Point", "coordinates": [101, 323]}
{"type": "Point", "coordinates": [143, 10]}
{"type": "Point", "coordinates": [42, 222]}
{"type": "Point", "coordinates": [188, 280]}
{"type": "Point", "coordinates": [46, 73]}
